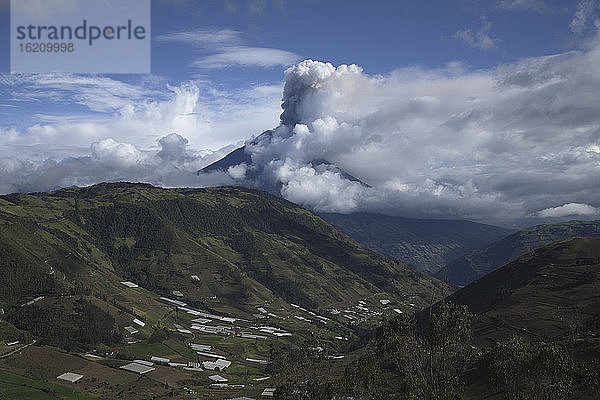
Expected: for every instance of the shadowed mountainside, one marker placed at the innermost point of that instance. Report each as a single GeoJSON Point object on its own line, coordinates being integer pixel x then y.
{"type": "Point", "coordinates": [428, 244]}
{"type": "Point", "coordinates": [479, 262]}
{"type": "Point", "coordinates": [547, 294]}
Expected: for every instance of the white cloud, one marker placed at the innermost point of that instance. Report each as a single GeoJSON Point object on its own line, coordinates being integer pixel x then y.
{"type": "Point", "coordinates": [584, 13]}
{"type": "Point", "coordinates": [492, 145]}
{"type": "Point", "coordinates": [136, 113]}
{"type": "Point", "coordinates": [173, 164]}
{"type": "Point", "coordinates": [247, 57]}
{"type": "Point", "coordinates": [117, 155]}
{"type": "Point", "coordinates": [530, 5]}
{"type": "Point", "coordinates": [228, 50]}
{"type": "Point", "coordinates": [569, 210]}
{"type": "Point", "coordinates": [238, 171]}
{"type": "Point", "coordinates": [207, 38]}
{"type": "Point", "coordinates": [320, 190]}
{"type": "Point", "coordinates": [486, 145]}
{"type": "Point", "coordinates": [480, 39]}
{"type": "Point", "coordinates": [96, 93]}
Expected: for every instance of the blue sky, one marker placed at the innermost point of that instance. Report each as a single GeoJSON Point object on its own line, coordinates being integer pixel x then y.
{"type": "Point", "coordinates": [218, 79]}
{"type": "Point", "coordinates": [379, 35]}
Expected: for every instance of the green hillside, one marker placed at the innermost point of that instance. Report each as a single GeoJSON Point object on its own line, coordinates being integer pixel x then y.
{"type": "Point", "coordinates": [534, 326]}
{"type": "Point", "coordinates": [479, 262]}
{"type": "Point", "coordinates": [244, 244]}
{"type": "Point", "coordinates": [548, 294]}
{"type": "Point", "coordinates": [428, 244]}
{"type": "Point", "coordinates": [247, 262]}
{"type": "Point", "coordinates": [528, 330]}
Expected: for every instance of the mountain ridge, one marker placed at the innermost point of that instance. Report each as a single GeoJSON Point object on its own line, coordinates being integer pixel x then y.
{"type": "Point", "coordinates": [245, 245]}
{"type": "Point", "coordinates": [545, 294]}
{"type": "Point", "coordinates": [477, 263]}
{"type": "Point", "coordinates": [428, 244]}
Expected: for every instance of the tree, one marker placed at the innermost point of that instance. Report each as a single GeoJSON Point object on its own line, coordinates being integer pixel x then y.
{"type": "Point", "coordinates": [365, 380]}
{"type": "Point", "coordinates": [525, 370]}
{"type": "Point", "coordinates": [429, 367]}
{"type": "Point", "coordinates": [300, 374]}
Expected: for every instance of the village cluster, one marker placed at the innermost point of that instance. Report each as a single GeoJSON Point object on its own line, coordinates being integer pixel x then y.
{"type": "Point", "coordinates": [192, 325]}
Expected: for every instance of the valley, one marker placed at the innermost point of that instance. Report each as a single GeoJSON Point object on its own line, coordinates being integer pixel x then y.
{"type": "Point", "coordinates": [135, 291]}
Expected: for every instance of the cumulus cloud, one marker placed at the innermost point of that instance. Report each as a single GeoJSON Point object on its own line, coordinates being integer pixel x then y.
{"type": "Point", "coordinates": [480, 39]}
{"type": "Point", "coordinates": [569, 210]}
{"type": "Point", "coordinates": [238, 171]}
{"type": "Point", "coordinates": [116, 155]}
{"type": "Point", "coordinates": [493, 145]}
{"type": "Point", "coordinates": [496, 146]}
{"type": "Point", "coordinates": [171, 165]}
{"type": "Point", "coordinates": [173, 147]}
{"type": "Point", "coordinates": [139, 113]}
{"type": "Point", "coordinates": [108, 130]}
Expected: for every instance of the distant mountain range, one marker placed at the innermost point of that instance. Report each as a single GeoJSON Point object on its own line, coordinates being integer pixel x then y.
{"type": "Point", "coordinates": [428, 244]}
{"type": "Point", "coordinates": [477, 263]}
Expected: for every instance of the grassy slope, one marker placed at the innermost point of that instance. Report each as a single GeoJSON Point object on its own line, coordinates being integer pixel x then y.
{"type": "Point", "coordinates": [14, 386]}
{"type": "Point", "coordinates": [547, 294]}
{"type": "Point", "coordinates": [477, 263]}
{"type": "Point", "coordinates": [247, 247]}
{"type": "Point", "coordinates": [426, 244]}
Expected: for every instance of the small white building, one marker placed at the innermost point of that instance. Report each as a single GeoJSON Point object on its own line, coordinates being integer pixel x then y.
{"type": "Point", "coordinates": [200, 347]}
{"type": "Point", "coordinates": [131, 330]}
{"type": "Point", "coordinates": [182, 329]}
{"type": "Point", "coordinates": [255, 360]}
{"type": "Point", "coordinates": [138, 322]}
{"type": "Point", "coordinates": [176, 365]}
{"type": "Point", "coordinates": [193, 369]}
{"type": "Point", "coordinates": [251, 336]}
{"type": "Point", "coordinates": [160, 360]}
{"type": "Point", "coordinates": [202, 321]}
{"type": "Point", "coordinates": [217, 378]}
{"type": "Point", "coordinates": [70, 377]}
{"type": "Point", "coordinates": [205, 354]}
{"type": "Point", "coordinates": [175, 302]}
{"type": "Point", "coordinates": [217, 365]}
{"type": "Point", "coordinates": [137, 368]}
